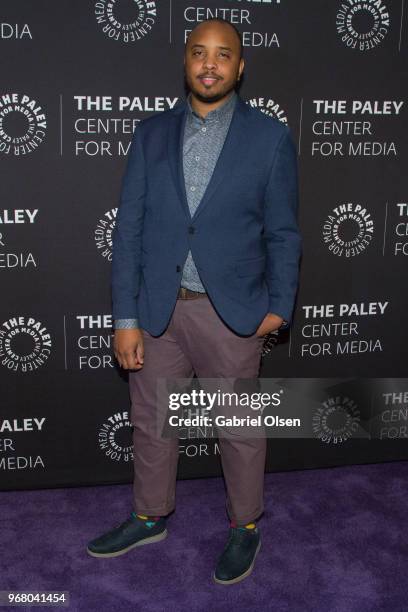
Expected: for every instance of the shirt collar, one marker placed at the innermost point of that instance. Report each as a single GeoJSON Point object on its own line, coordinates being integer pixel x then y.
{"type": "Point", "coordinates": [217, 114]}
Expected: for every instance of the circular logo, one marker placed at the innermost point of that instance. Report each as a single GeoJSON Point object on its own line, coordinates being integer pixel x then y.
{"type": "Point", "coordinates": [115, 437]}
{"type": "Point", "coordinates": [336, 420]}
{"type": "Point", "coordinates": [362, 25]}
{"type": "Point", "coordinates": [25, 344]}
{"type": "Point", "coordinates": [126, 20]}
{"type": "Point", "coordinates": [348, 230]}
{"type": "Point", "coordinates": [22, 124]}
{"type": "Point", "coordinates": [103, 233]}
{"type": "Point", "coordinates": [269, 107]}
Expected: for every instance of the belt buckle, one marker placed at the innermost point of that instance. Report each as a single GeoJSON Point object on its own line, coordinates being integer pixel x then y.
{"type": "Point", "coordinates": [183, 293]}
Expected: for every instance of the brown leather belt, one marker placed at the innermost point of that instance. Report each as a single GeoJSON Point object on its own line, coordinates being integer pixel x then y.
{"type": "Point", "coordinates": [189, 294]}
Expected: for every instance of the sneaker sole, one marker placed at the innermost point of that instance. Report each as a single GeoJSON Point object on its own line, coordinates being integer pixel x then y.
{"type": "Point", "coordinates": [151, 540]}
{"type": "Point", "coordinates": [242, 576]}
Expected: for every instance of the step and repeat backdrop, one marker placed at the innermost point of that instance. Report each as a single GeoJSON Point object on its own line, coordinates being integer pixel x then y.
{"type": "Point", "coordinates": [77, 76]}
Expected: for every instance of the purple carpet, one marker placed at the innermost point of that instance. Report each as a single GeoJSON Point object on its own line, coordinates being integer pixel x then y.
{"type": "Point", "coordinates": [332, 540]}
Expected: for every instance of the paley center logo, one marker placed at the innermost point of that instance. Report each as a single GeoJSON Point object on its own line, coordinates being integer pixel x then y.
{"type": "Point", "coordinates": [13, 218]}
{"type": "Point", "coordinates": [103, 233]}
{"type": "Point", "coordinates": [269, 107]}
{"type": "Point", "coordinates": [9, 458]}
{"type": "Point", "coordinates": [348, 230]}
{"type": "Point", "coordinates": [336, 420]}
{"type": "Point", "coordinates": [362, 24]}
{"type": "Point", "coordinates": [105, 124]}
{"type": "Point", "coordinates": [25, 344]}
{"type": "Point", "coordinates": [125, 21]}
{"type": "Point", "coordinates": [239, 15]}
{"type": "Point", "coordinates": [22, 124]}
{"type": "Point", "coordinates": [115, 437]}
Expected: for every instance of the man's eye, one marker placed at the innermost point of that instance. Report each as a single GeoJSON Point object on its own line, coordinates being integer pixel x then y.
{"type": "Point", "coordinates": [195, 52]}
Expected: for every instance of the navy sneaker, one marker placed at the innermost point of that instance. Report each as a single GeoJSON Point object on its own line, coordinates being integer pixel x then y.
{"type": "Point", "coordinates": [129, 534]}
{"type": "Point", "coordinates": [238, 557]}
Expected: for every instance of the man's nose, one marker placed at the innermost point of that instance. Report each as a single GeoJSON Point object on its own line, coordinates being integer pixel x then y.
{"type": "Point", "coordinates": [210, 63]}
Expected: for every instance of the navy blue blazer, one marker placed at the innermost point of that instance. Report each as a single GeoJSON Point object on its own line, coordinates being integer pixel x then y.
{"type": "Point", "coordinates": [243, 236]}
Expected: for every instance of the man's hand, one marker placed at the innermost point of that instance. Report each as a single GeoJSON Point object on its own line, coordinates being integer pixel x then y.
{"type": "Point", "coordinates": [128, 348]}
{"type": "Point", "coordinates": [270, 323]}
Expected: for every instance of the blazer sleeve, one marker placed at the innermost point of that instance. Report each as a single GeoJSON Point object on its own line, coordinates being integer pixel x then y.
{"type": "Point", "coordinates": [127, 233]}
{"type": "Point", "coordinates": [281, 231]}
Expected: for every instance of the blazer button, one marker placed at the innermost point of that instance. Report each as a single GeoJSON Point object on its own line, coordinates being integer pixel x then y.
{"type": "Point", "coordinates": [178, 268]}
{"type": "Point", "coordinates": [191, 230]}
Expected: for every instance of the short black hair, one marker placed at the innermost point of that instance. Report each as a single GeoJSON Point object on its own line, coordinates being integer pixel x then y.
{"type": "Point", "coordinates": [221, 20]}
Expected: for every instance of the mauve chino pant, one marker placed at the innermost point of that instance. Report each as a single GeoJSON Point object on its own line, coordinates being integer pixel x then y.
{"type": "Point", "coordinates": [195, 341]}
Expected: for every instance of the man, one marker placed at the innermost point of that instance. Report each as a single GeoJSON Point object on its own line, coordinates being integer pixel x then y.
{"type": "Point", "coordinates": [205, 263]}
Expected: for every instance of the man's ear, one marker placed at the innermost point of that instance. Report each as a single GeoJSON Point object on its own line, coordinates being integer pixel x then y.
{"type": "Point", "coordinates": [241, 66]}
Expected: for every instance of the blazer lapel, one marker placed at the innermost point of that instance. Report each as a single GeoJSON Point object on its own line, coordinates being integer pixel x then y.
{"type": "Point", "coordinates": [233, 145]}
{"type": "Point", "coordinates": [175, 152]}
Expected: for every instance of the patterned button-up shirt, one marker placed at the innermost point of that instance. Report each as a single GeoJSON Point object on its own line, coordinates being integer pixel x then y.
{"type": "Point", "coordinates": [203, 141]}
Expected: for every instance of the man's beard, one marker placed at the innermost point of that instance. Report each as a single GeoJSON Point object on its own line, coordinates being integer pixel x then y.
{"type": "Point", "coordinates": [211, 98]}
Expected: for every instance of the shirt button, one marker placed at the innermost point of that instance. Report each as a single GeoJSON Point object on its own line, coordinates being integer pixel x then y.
{"type": "Point", "coordinates": [204, 129]}
{"type": "Point", "coordinates": [192, 188]}
{"type": "Point", "coordinates": [197, 157]}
